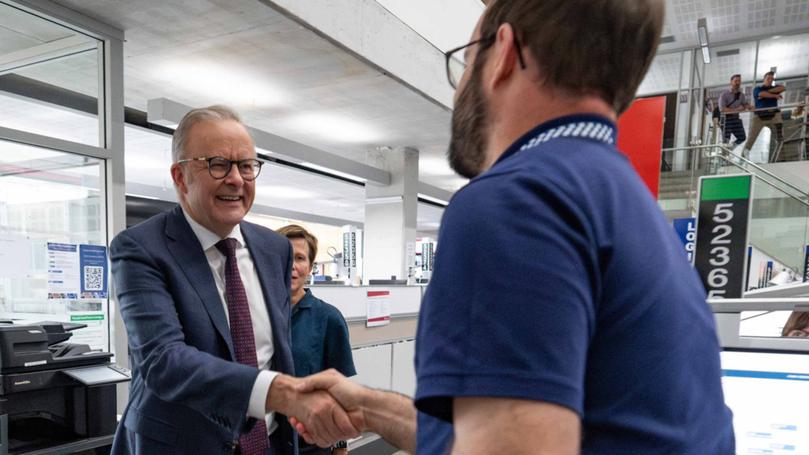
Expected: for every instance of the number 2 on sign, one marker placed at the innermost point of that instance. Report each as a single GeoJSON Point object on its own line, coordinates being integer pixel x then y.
{"type": "Point", "coordinates": [720, 255]}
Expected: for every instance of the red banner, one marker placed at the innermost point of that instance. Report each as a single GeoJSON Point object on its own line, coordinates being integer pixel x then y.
{"type": "Point", "coordinates": [640, 137]}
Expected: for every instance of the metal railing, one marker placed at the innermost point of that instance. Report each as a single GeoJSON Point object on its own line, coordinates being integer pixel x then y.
{"type": "Point", "coordinates": [791, 130]}
{"type": "Point", "coordinates": [720, 153]}
{"type": "Point", "coordinates": [780, 208]}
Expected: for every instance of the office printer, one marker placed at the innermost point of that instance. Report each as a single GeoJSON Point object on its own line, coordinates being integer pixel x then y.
{"type": "Point", "coordinates": [53, 392]}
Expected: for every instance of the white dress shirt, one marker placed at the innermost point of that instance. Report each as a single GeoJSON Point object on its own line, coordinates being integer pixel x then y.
{"type": "Point", "coordinates": [260, 318]}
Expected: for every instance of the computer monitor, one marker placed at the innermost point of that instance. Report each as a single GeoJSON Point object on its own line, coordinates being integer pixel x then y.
{"type": "Point", "coordinates": [767, 392]}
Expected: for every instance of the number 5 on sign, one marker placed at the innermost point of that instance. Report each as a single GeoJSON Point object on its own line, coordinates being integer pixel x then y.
{"type": "Point", "coordinates": [723, 215]}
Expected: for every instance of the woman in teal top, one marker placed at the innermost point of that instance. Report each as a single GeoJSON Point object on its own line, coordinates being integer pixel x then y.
{"type": "Point", "coordinates": [319, 332]}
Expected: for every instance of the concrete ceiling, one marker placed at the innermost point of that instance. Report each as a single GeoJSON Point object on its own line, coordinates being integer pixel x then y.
{"type": "Point", "coordinates": [282, 77]}
{"type": "Point", "coordinates": [733, 28]}
{"type": "Point", "coordinates": [732, 19]}
{"type": "Point", "coordinates": [288, 80]}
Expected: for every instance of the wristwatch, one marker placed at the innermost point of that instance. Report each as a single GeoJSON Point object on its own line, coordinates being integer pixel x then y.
{"type": "Point", "coordinates": [340, 445]}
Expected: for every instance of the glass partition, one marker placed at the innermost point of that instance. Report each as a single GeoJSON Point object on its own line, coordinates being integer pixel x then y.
{"type": "Point", "coordinates": [53, 261]}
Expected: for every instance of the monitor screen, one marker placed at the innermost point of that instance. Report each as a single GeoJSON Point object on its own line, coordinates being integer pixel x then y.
{"type": "Point", "coordinates": [767, 392]}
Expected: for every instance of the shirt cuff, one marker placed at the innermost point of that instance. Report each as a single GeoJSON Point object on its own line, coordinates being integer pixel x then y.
{"type": "Point", "coordinates": [257, 408]}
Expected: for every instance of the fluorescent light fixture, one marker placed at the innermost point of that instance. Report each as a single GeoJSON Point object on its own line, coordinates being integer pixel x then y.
{"type": "Point", "coordinates": [217, 82]}
{"type": "Point", "coordinates": [706, 55]}
{"type": "Point", "coordinates": [330, 171]}
{"type": "Point", "coordinates": [433, 199]}
{"type": "Point", "coordinates": [383, 200]}
{"type": "Point", "coordinates": [144, 196]}
{"type": "Point", "coordinates": [334, 127]}
{"type": "Point", "coordinates": [704, 43]}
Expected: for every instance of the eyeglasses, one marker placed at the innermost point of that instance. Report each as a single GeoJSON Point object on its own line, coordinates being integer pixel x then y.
{"type": "Point", "coordinates": [457, 66]}
{"type": "Point", "coordinates": [219, 167]}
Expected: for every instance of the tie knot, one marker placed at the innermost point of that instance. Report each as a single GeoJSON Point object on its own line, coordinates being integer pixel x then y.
{"type": "Point", "coordinates": [227, 247]}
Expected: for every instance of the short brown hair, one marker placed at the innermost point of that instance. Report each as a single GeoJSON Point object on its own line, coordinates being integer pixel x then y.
{"type": "Point", "coordinates": [293, 231]}
{"type": "Point", "coordinates": [798, 320]}
{"type": "Point", "coordinates": [600, 47]}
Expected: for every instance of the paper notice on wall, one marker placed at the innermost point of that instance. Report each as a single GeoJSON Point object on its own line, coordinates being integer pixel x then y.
{"type": "Point", "coordinates": [95, 334]}
{"type": "Point", "coordinates": [378, 308]}
{"type": "Point", "coordinates": [15, 256]}
{"type": "Point", "coordinates": [63, 271]}
{"type": "Point", "coordinates": [93, 263]}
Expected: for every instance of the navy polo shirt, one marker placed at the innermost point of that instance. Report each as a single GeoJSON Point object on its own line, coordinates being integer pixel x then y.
{"type": "Point", "coordinates": [320, 338]}
{"type": "Point", "coordinates": [762, 103]}
{"type": "Point", "coordinates": [558, 279]}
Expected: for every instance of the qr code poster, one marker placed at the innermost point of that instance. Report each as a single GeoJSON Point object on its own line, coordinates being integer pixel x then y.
{"type": "Point", "coordinates": [93, 266]}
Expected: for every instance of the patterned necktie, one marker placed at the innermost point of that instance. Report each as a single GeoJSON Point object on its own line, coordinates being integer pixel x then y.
{"type": "Point", "coordinates": [244, 343]}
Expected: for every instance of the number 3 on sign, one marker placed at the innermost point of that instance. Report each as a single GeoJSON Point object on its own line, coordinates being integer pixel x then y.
{"type": "Point", "coordinates": [720, 255]}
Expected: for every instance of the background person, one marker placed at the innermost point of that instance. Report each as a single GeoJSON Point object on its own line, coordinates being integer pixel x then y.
{"type": "Point", "coordinates": [205, 298]}
{"type": "Point", "coordinates": [767, 114]}
{"type": "Point", "coordinates": [576, 345]}
{"type": "Point", "coordinates": [797, 325]}
{"type": "Point", "coordinates": [731, 103]}
{"type": "Point", "coordinates": [319, 332]}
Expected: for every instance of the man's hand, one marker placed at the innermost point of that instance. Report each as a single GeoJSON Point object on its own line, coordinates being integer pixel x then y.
{"type": "Point", "coordinates": [325, 420]}
{"type": "Point", "coordinates": [388, 414]}
{"type": "Point", "coordinates": [349, 395]}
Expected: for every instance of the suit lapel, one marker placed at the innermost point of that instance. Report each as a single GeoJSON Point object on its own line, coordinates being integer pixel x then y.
{"type": "Point", "coordinates": [187, 251]}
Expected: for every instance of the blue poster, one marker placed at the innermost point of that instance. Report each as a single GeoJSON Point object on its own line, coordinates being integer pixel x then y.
{"type": "Point", "coordinates": [686, 229]}
{"type": "Point", "coordinates": [93, 267]}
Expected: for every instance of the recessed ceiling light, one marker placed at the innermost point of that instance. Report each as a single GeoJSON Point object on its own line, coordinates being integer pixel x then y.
{"type": "Point", "coordinates": [283, 192]}
{"type": "Point", "coordinates": [228, 85]}
{"type": "Point", "coordinates": [335, 127]}
{"type": "Point", "coordinates": [432, 165]}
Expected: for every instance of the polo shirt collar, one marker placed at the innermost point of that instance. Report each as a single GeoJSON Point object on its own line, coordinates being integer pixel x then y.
{"type": "Point", "coordinates": [207, 238]}
{"type": "Point", "coordinates": [584, 126]}
{"type": "Point", "coordinates": [307, 300]}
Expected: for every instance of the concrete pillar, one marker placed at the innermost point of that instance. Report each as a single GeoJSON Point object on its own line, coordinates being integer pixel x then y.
{"type": "Point", "coordinates": [390, 215]}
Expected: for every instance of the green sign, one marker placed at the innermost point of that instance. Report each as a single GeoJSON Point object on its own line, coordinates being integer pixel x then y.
{"type": "Point", "coordinates": [86, 317]}
{"type": "Point", "coordinates": [724, 188]}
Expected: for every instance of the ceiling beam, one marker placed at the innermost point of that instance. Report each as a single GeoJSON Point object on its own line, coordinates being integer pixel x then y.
{"type": "Point", "coordinates": [169, 113]}
{"type": "Point", "coordinates": [434, 193]}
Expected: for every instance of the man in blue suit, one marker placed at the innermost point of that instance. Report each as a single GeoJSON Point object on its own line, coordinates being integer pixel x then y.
{"type": "Point", "coordinates": [205, 299]}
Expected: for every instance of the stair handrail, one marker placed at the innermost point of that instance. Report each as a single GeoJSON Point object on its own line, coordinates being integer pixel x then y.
{"type": "Point", "coordinates": [747, 162]}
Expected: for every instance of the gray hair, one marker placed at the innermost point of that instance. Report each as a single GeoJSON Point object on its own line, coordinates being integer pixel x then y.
{"type": "Point", "coordinates": [211, 113]}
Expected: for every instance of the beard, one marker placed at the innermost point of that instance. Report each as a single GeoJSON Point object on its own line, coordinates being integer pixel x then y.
{"type": "Point", "coordinates": [467, 151]}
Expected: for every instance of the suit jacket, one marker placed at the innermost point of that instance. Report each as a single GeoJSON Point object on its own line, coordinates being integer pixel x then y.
{"type": "Point", "coordinates": [188, 394]}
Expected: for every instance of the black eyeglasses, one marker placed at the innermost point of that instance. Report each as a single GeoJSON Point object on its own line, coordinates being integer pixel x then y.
{"type": "Point", "coordinates": [457, 66]}
{"type": "Point", "coordinates": [219, 167]}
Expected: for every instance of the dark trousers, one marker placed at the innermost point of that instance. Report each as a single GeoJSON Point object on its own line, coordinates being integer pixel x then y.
{"type": "Point", "coordinates": [734, 126]}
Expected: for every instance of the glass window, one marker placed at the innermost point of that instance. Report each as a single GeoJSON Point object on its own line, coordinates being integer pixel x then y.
{"type": "Point", "coordinates": [49, 78]}
{"type": "Point", "coordinates": [729, 60]}
{"type": "Point", "coordinates": [789, 54]}
{"type": "Point", "coordinates": [52, 240]}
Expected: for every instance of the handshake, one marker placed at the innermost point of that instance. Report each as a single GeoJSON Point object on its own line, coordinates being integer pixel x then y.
{"type": "Point", "coordinates": [327, 407]}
